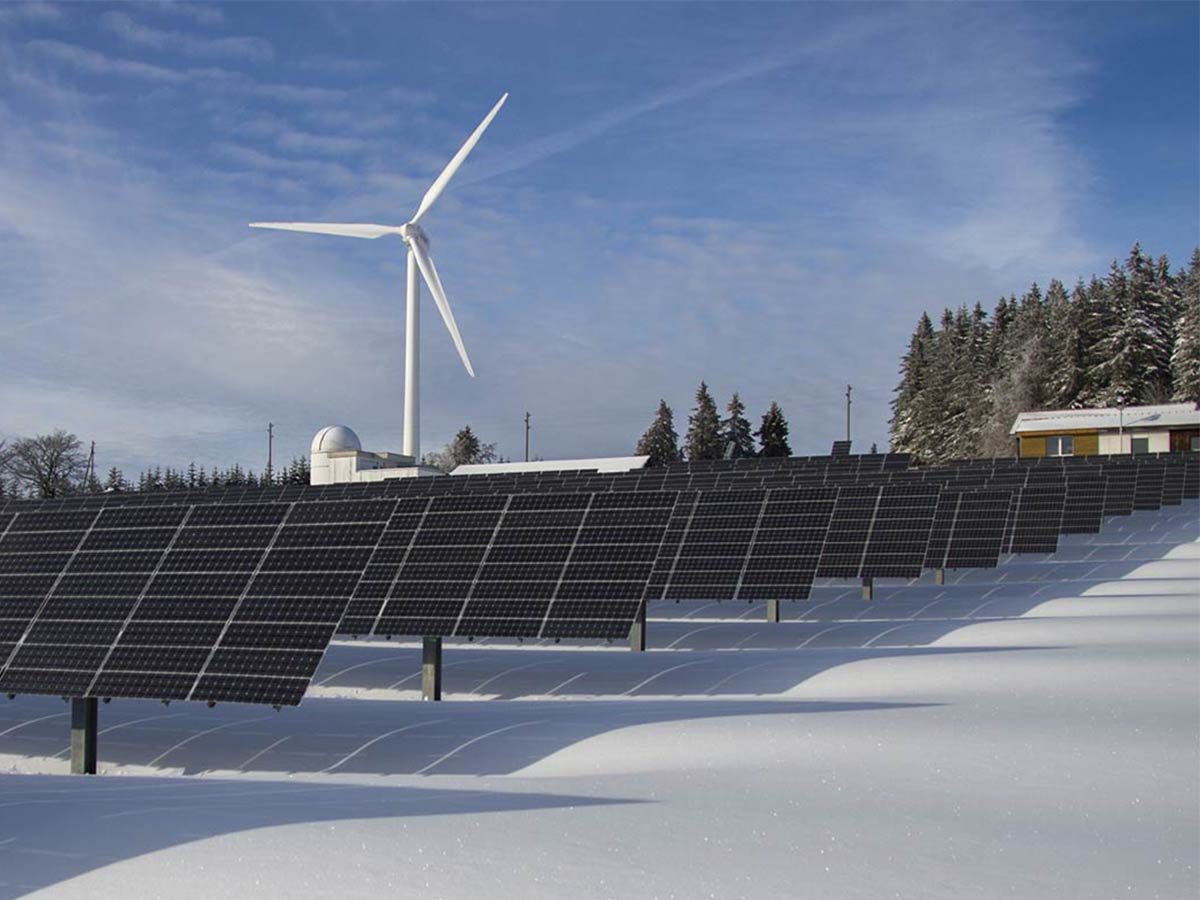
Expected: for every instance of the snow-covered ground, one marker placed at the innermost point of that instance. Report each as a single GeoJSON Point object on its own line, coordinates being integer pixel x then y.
{"type": "Point", "coordinates": [1029, 731]}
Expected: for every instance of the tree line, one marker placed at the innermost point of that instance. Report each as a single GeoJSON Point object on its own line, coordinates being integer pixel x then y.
{"type": "Point", "coordinates": [711, 437]}
{"type": "Point", "coordinates": [1130, 338]}
{"type": "Point", "coordinates": [56, 465]}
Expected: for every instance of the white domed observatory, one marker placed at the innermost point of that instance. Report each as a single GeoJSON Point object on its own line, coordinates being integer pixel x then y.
{"type": "Point", "coordinates": [337, 457]}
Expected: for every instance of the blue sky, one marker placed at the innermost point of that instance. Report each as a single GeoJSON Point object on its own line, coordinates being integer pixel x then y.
{"type": "Point", "coordinates": [762, 196]}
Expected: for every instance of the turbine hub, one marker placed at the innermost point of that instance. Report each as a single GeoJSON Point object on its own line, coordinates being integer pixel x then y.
{"type": "Point", "coordinates": [413, 232]}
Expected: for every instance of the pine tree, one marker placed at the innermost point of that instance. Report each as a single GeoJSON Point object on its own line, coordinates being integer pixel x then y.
{"type": "Point", "coordinates": [736, 437]}
{"type": "Point", "coordinates": [115, 481]}
{"type": "Point", "coordinates": [914, 373]}
{"type": "Point", "coordinates": [703, 439]}
{"type": "Point", "coordinates": [1185, 357]}
{"type": "Point", "coordinates": [1122, 376]}
{"type": "Point", "coordinates": [660, 442]}
{"type": "Point", "coordinates": [1065, 375]}
{"type": "Point", "coordinates": [773, 433]}
{"type": "Point", "coordinates": [1152, 295]}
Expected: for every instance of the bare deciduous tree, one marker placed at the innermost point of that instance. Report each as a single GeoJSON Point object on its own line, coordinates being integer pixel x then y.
{"type": "Point", "coordinates": [46, 464]}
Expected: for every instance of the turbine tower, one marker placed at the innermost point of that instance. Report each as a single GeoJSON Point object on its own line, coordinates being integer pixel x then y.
{"type": "Point", "coordinates": [420, 261]}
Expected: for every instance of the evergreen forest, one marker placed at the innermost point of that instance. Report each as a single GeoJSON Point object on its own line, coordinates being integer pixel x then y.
{"type": "Point", "coordinates": [1130, 338]}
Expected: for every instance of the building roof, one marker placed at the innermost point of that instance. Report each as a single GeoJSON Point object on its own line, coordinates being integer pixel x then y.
{"type": "Point", "coordinates": [1134, 417]}
{"type": "Point", "coordinates": [603, 464]}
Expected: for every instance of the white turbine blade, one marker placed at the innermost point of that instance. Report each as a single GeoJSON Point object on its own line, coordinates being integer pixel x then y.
{"type": "Point", "coordinates": [425, 264]}
{"type": "Point", "coordinates": [369, 232]}
{"type": "Point", "coordinates": [435, 190]}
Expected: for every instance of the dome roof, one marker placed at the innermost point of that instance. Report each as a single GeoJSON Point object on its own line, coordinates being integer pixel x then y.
{"type": "Point", "coordinates": [333, 438]}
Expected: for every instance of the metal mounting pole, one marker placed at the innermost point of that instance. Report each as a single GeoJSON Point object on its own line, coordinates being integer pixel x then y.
{"type": "Point", "coordinates": [772, 610]}
{"type": "Point", "coordinates": [84, 713]}
{"type": "Point", "coordinates": [868, 588]}
{"type": "Point", "coordinates": [637, 634]}
{"type": "Point", "coordinates": [431, 668]}
{"type": "Point", "coordinates": [849, 388]}
{"type": "Point", "coordinates": [526, 437]}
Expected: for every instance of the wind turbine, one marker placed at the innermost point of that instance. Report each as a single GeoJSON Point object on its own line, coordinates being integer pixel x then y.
{"type": "Point", "coordinates": [419, 260]}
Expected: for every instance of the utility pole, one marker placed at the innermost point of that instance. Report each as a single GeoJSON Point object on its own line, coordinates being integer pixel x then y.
{"type": "Point", "coordinates": [270, 452]}
{"type": "Point", "coordinates": [527, 436]}
{"type": "Point", "coordinates": [848, 390]}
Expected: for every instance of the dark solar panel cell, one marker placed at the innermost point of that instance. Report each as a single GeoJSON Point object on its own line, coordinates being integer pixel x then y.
{"type": "Point", "coordinates": [172, 633]}
{"type": "Point", "coordinates": [44, 681]}
{"type": "Point", "coordinates": [243, 689]}
{"type": "Point", "coordinates": [151, 685]}
{"type": "Point", "coordinates": [143, 658]}
{"type": "Point", "coordinates": [39, 541]}
{"type": "Point", "coordinates": [239, 514]}
{"type": "Point", "coordinates": [284, 663]}
{"type": "Point", "coordinates": [32, 563]}
{"type": "Point", "coordinates": [155, 517]}
{"type": "Point", "coordinates": [78, 521]}
{"type": "Point", "coordinates": [196, 538]}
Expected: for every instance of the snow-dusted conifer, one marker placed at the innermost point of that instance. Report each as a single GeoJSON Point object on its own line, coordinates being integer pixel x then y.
{"type": "Point", "coordinates": [773, 433]}
{"type": "Point", "coordinates": [736, 436]}
{"type": "Point", "coordinates": [703, 439]}
{"type": "Point", "coordinates": [661, 441]}
{"type": "Point", "coordinates": [1185, 358]}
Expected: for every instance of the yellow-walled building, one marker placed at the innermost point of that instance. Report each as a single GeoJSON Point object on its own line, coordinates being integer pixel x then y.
{"type": "Point", "coordinates": [1130, 429]}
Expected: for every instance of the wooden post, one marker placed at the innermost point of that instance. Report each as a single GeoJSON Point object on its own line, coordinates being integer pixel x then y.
{"type": "Point", "coordinates": [868, 588]}
{"type": "Point", "coordinates": [772, 610]}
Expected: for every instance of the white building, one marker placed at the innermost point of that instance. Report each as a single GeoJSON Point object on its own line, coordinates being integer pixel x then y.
{"type": "Point", "coordinates": [1130, 429]}
{"type": "Point", "coordinates": [337, 457]}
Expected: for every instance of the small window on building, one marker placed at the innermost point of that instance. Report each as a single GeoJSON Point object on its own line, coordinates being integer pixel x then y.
{"type": "Point", "coordinates": [1195, 444]}
{"type": "Point", "coordinates": [1060, 446]}
{"type": "Point", "coordinates": [1139, 445]}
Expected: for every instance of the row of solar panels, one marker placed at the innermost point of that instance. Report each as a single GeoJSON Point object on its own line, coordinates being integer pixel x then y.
{"type": "Point", "coordinates": [234, 600]}
{"type": "Point", "coordinates": [717, 474]}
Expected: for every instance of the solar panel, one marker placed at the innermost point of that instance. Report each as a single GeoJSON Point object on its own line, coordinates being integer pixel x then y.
{"type": "Point", "coordinates": [536, 565]}
{"type": "Point", "coordinates": [1174, 474]}
{"type": "Point", "coordinates": [1148, 489]}
{"type": "Point", "coordinates": [743, 545]}
{"type": "Point", "coordinates": [1035, 518]}
{"type": "Point", "coordinates": [1083, 505]}
{"type": "Point", "coordinates": [1121, 482]}
{"type": "Point", "coordinates": [840, 448]}
{"type": "Point", "coordinates": [879, 531]}
{"type": "Point", "coordinates": [968, 529]}
{"type": "Point", "coordinates": [217, 602]}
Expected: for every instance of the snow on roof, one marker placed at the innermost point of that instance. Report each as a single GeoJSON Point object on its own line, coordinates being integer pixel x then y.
{"type": "Point", "coordinates": [1161, 416]}
{"type": "Point", "coordinates": [603, 464]}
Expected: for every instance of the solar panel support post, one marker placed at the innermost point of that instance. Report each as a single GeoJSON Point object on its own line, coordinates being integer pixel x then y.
{"type": "Point", "coordinates": [637, 632]}
{"type": "Point", "coordinates": [431, 668]}
{"type": "Point", "coordinates": [84, 713]}
{"type": "Point", "coordinates": [868, 588]}
{"type": "Point", "coordinates": [939, 576]}
{"type": "Point", "coordinates": [773, 610]}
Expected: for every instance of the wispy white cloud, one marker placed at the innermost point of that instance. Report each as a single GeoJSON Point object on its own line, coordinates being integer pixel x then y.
{"type": "Point", "coordinates": [30, 13]}
{"type": "Point", "coordinates": [200, 13]}
{"type": "Point", "coordinates": [138, 34]}
{"type": "Point", "coordinates": [96, 63]}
